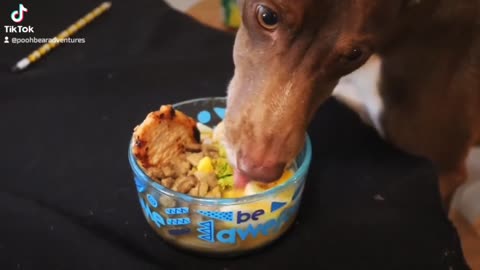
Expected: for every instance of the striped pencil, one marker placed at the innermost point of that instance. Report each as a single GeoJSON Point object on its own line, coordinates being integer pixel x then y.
{"type": "Point", "coordinates": [54, 42]}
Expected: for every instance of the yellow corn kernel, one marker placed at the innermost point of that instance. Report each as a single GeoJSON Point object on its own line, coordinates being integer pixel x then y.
{"type": "Point", "coordinates": [205, 165]}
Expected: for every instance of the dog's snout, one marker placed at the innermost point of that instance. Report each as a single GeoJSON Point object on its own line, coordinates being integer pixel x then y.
{"type": "Point", "coordinates": [260, 169]}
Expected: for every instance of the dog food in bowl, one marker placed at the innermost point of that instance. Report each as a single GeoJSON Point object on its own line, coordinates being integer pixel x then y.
{"type": "Point", "coordinates": [188, 157]}
{"type": "Point", "coordinates": [185, 184]}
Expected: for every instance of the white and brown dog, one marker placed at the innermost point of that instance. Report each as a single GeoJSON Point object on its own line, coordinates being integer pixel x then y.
{"type": "Point", "coordinates": [411, 68]}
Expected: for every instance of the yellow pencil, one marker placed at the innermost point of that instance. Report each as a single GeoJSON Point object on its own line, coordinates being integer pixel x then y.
{"type": "Point", "coordinates": [54, 42]}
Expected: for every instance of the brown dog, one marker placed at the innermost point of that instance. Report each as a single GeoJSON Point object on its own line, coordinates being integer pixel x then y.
{"type": "Point", "coordinates": [291, 55]}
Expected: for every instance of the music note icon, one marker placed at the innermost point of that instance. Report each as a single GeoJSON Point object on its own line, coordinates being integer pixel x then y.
{"type": "Point", "coordinates": [17, 15]}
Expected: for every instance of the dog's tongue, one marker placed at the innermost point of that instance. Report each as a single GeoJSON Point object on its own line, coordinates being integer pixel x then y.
{"type": "Point", "coordinates": [240, 179]}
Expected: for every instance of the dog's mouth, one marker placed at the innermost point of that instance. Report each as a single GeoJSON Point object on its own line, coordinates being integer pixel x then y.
{"type": "Point", "coordinates": [240, 178]}
{"type": "Point", "coordinates": [258, 172]}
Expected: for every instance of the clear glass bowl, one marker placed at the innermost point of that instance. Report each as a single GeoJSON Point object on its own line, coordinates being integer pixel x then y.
{"type": "Point", "coordinates": [225, 227]}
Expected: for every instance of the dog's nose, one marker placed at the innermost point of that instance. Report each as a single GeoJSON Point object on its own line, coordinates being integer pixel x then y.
{"type": "Point", "coordinates": [260, 169]}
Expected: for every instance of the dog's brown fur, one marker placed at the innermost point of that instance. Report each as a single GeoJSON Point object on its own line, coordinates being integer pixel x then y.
{"type": "Point", "coordinates": [430, 77]}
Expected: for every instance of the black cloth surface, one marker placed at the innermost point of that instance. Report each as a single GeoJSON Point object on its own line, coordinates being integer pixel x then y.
{"type": "Point", "coordinates": [67, 197]}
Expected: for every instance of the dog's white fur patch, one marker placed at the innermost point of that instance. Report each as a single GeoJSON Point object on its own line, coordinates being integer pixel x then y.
{"type": "Point", "coordinates": [473, 165]}
{"type": "Point", "coordinates": [360, 91]}
{"type": "Point", "coordinates": [467, 197]}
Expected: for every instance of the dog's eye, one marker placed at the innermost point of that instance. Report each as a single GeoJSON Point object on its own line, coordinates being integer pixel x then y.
{"type": "Point", "coordinates": [266, 17]}
{"type": "Point", "coordinates": [353, 55]}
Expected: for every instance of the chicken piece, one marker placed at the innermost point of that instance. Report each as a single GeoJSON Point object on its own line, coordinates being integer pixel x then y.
{"type": "Point", "coordinates": [167, 182]}
{"type": "Point", "coordinates": [162, 137]}
{"type": "Point", "coordinates": [182, 167]}
{"type": "Point", "coordinates": [202, 188]}
{"type": "Point", "coordinates": [185, 184]}
{"type": "Point", "coordinates": [194, 158]}
{"type": "Point", "coordinates": [167, 169]}
{"type": "Point", "coordinates": [210, 151]}
{"type": "Point", "coordinates": [194, 191]}
{"type": "Point", "coordinates": [193, 147]}
{"type": "Point", "coordinates": [156, 173]}
{"type": "Point", "coordinates": [213, 155]}
{"type": "Point", "coordinates": [167, 202]}
{"type": "Point", "coordinates": [209, 178]}
{"type": "Point", "coordinates": [214, 193]}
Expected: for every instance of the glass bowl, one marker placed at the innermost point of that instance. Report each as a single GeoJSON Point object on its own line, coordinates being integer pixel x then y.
{"type": "Point", "coordinates": [225, 227]}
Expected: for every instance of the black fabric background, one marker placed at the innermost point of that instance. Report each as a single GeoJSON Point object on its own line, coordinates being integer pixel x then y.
{"type": "Point", "coordinates": [67, 198]}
